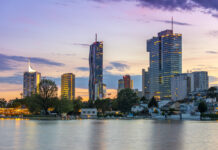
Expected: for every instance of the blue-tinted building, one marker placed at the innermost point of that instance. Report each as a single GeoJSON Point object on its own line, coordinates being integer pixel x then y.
{"type": "Point", "coordinates": [96, 71]}
{"type": "Point", "coordinates": [165, 61]}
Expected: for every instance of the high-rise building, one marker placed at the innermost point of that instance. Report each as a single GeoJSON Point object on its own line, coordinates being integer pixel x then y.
{"type": "Point", "coordinates": [31, 80]}
{"type": "Point", "coordinates": [145, 83]}
{"type": "Point", "coordinates": [180, 86]}
{"type": "Point", "coordinates": [201, 81]}
{"type": "Point", "coordinates": [165, 61]}
{"type": "Point", "coordinates": [96, 70]}
{"type": "Point", "coordinates": [120, 85]}
{"type": "Point", "coordinates": [125, 83]}
{"type": "Point", "coordinates": [68, 86]}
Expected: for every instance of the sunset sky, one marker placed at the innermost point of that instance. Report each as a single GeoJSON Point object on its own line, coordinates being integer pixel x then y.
{"type": "Point", "coordinates": [56, 34]}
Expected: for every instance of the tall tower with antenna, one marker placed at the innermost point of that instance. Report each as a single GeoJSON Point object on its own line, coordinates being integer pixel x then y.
{"type": "Point", "coordinates": [96, 85]}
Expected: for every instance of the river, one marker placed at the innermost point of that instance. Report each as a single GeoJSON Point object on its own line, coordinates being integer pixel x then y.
{"type": "Point", "coordinates": [108, 135]}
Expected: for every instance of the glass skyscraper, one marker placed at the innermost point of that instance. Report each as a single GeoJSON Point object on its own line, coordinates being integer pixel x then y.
{"type": "Point", "coordinates": [68, 86]}
{"type": "Point", "coordinates": [165, 61]}
{"type": "Point", "coordinates": [31, 80]}
{"type": "Point", "coordinates": [96, 71]}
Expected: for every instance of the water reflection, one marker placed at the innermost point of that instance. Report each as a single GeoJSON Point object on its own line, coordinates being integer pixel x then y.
{"type": "Point", "coordinates": [167, 135]}
{"type": "Point", "coordinates": [96, 136]}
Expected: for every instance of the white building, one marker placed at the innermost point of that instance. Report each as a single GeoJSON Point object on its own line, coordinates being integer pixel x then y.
{"type": "Point", "coordinates": [139, 108]}
{"type": "Point", "coordinates": [89, 112]}
{"type": "Point", "coordinates": [180, 87]}
{"type": "Point", "coordinates": [31, 80]}
{"type": "Point", "coordinates": [201, 80]}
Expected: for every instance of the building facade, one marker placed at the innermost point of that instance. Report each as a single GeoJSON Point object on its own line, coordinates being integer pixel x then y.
{"type": "Point", "coordinates": [68, 86]}
{"type": "Point", "coordinates": [165, 54]}
{"type": "Point", "coordinates": [180, 86]}
{"type": "Point", "coordinates": [96, 70]}
{"type": "Point", "coordinates": [125, 83]}
{"type": "Point", "coordinates": [201, 81]}
{"type": "Point", "coordinates": [145, 84]}
{"type": "Point", "coordinates": [31, 80]}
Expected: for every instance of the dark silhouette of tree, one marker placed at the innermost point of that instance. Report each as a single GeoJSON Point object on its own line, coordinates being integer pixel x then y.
{"type": "Point", "coordinates": [3, 103]}
{"type": "Point", "coordinates": [202, 107]}
{"type": "Point", "coordinates": [126, 99]}
{"type": "Point", "coordinates": [152, 103]}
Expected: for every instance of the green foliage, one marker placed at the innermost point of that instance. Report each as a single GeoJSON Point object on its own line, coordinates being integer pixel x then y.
{"type": "Point", "coordinates": [103, 105]}
{"type": "Point", "coordinates": [114, 105]}
{"type": "Point", "coordinates": [16, 103]}
{"type": "Point", "coordinates": [202, 107]}
{"type": "Point", "coordinates": [211, 93]}
{"type": "Point", "coordinates": [63, 106]}
{"type": "Point", "coordinates": [152, 103]}
{"type": "Point", "coordinates": [2, 103]}
{"type": "Point", "coordinates": [126, 99]}
{"type": "Point", "coordinates": [144, 100]}
{"type": "Point", "coordinates": [77, 105]}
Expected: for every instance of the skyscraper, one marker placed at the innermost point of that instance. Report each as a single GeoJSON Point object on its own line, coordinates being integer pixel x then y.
{"type": "Point", "coordinates": [200, 80]}
{"type": "Point", "coordinates": [68, 86]}
{"type": "Point", "coordinates": [145, 83]}
{"type": "Point", "coordinates": [165, 61]}
{"type": "Point", "coordinates": [31, 80]}
{"type": "Point", "coordinates": [125, 83]}
{"type": "Point", "coordinates": [96, 70]}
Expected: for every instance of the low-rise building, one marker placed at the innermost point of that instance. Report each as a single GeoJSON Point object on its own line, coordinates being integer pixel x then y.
{"type": "Point", "coordinates": [89, 113]}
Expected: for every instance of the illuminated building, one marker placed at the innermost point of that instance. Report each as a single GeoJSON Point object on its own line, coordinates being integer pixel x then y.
{"type": "Point", "coordinates": [124, 83]}
{"type": "Point", "coordinates": [31, 80]}
{"type": "Point", "coordinates": [68, 86]}
{"type": "Point", "coordinates": [145, 83]}
{"type": "Point", "coordinates": [96, 70]}
{"type": "Point", "coordinates": [165, 52]}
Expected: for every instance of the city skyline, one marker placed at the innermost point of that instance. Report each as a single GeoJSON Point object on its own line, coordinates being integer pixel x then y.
{"type": "Point", "coordinates": [54, 51]}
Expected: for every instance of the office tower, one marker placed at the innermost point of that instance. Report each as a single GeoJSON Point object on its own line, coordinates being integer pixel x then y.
{"type": "Point", "coordinates": [68, 86]}
{"type": "Point", "coordinates": [31, 80]}
{"type": "Point", "coordinates": [96, 70]}
{"type": "Point", "coordinates": [145, 84]}
{"type": "Point", "coordinates": [180, 86]}
{"type": "Point", "coordinates": [125, 83]}
{"type": "Point", "coordinates": [128, 83]}
{"type": "Point", "coordinates": [200, 81]}
{"type": "Point", "coordinates": [165, 61]}
{"type": "Point", "coordinates": [120, 85]}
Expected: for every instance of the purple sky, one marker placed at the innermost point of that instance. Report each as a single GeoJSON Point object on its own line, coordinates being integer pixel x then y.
{"type": "Point", "coordinates": [55, 34]}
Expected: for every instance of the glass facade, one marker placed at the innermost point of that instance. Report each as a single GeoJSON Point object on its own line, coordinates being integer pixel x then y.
{"type": "Point", "coordinates": [165, 61]}
{"type": "Point", "coordinates": [96, 70]}
{"type": "Point", "coordinates": [68, 86]}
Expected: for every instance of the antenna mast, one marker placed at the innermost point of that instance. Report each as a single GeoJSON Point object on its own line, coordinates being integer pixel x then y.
{"type": "Point", "coordinates": [172, 23]}
{"type": "Point", "coordinates": [96, 37]}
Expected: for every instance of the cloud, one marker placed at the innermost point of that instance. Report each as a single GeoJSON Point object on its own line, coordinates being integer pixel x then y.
{"type": "Point", "coordinates": [81, 44]}
{"type": "Point", "coordinates": [83, 68]}
{"type": "Point", "coordinates": [209, 6]}
{"type": "Point", "coordinates": [117, 65]}
{"type": "Point", "coordinates": [213, 33]}
{"type": "Point", "coordinates": [212, 52]}
{"type": "Point", "coordinates": [174, 22]}
{"type": "Point", "coordinates": [5, 61]}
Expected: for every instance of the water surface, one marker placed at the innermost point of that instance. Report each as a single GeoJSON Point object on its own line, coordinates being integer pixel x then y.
{"type": "Point", "coordinates": [108, 135]}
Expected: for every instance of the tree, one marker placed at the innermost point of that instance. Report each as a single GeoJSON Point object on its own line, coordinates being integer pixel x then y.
{"type": "Point", "coordinates": [63, 106]}
{"type": "Point", "coordinates": [103, 105]}
{"type": "Point", "coordinates": [16, 103]}
{"type": "Point", "coordinates": [46, 98]}
{"type": "Point", "coordinates": [211, 93]}
{"type": "Point", "coordinates": [3, 103]}
{"type": "Point", "coordinates": [202, 107]}
{"type": "Point", "coordinates": [144, 100]}
{"type": "Point", "coordinates": [152, 103]}
{"type": "Point", "coordinates": [77, 105]}
{"type": "Point", "coordinates": [126, 99]}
